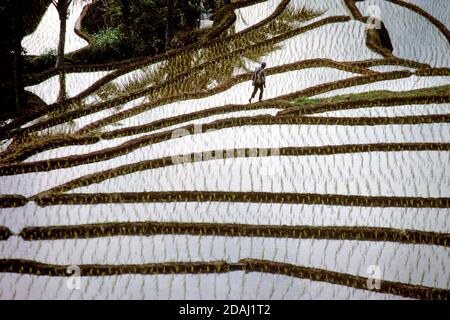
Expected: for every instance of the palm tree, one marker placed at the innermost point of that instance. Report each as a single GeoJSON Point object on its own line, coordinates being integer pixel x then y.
{"type": "Point", "coordinates": [62, 6]}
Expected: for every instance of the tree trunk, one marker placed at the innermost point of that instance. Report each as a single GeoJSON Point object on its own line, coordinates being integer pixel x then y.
{"type": "Point", "coordinates": [184, 7]}
{"type": "Point", "coordinates": [169, 23]}
{"type": "Point", "coordinates": [125, 4]}
{"type": "Point", "coordinates": [62, 7]}
{"type": "Point", "coordinates": [17, 26]}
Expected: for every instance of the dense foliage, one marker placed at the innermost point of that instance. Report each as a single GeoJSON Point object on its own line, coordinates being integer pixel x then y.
{"type": "Point", "coordinates": [120, 29]}
{"type": "Point", "coordinates": [123, 29]}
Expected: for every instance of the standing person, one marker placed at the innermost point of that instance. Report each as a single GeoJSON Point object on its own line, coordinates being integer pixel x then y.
{"type": "Point", "coordinates": [258, 81]}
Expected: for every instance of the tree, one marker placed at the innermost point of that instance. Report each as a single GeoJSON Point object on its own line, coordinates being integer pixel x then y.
{"type": "Point", "coordinates": [16, 21]}
{"type": "Point", "coordinates": [169, 23]}
{"type": "Point", "coordinates": [183, 8]}
{"type": "Point", "coordinates": [190, 12]}
{"type": "Point", "coordinates": [17, 26]}
{"type": "Point", "coordinates": [62, 6]}
{"type": "Point", "coordinates": [126, 15]}
{"type": "Point", "coordinates": [11, 66]}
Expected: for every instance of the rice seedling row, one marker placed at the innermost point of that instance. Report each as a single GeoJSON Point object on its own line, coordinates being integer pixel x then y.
{"type": "Point", "coordinates": [425, 219]}
{"type": "Point", "coordinates": [257, 197]}
{"type": "Point", "coordinates": [322, 179]}
{"type": "Point", "coordinates": [247, 265]}
{"type": "Point", "coordinates": [228, 230]}
{"type": "Point", "coordinates": [191, 130]}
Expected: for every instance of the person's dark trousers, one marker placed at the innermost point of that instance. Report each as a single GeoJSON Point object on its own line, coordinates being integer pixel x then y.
{"type": "Point", "coordinates": [261, 91]}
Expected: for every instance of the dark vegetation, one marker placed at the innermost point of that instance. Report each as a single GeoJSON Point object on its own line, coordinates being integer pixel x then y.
{"type": "Point", "coordinates": [122, 29]}
{"type": "Point", "coordinates": [15, 23]}
{"type": "Point", "coordinates": [244, 265]}
{"type": "Point", "coordinates": [115, 29]}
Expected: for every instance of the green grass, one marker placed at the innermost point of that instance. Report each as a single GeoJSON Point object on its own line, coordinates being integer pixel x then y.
{"type": "Point", "coordinates": [301, 101]}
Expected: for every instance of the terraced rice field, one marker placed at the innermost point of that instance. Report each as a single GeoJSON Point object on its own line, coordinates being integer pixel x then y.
{"type": "Point", "coordinates": [156, 179]}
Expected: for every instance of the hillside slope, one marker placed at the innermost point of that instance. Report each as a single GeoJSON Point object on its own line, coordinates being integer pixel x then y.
{"type": "Point", "coordinates": [157, 179]}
